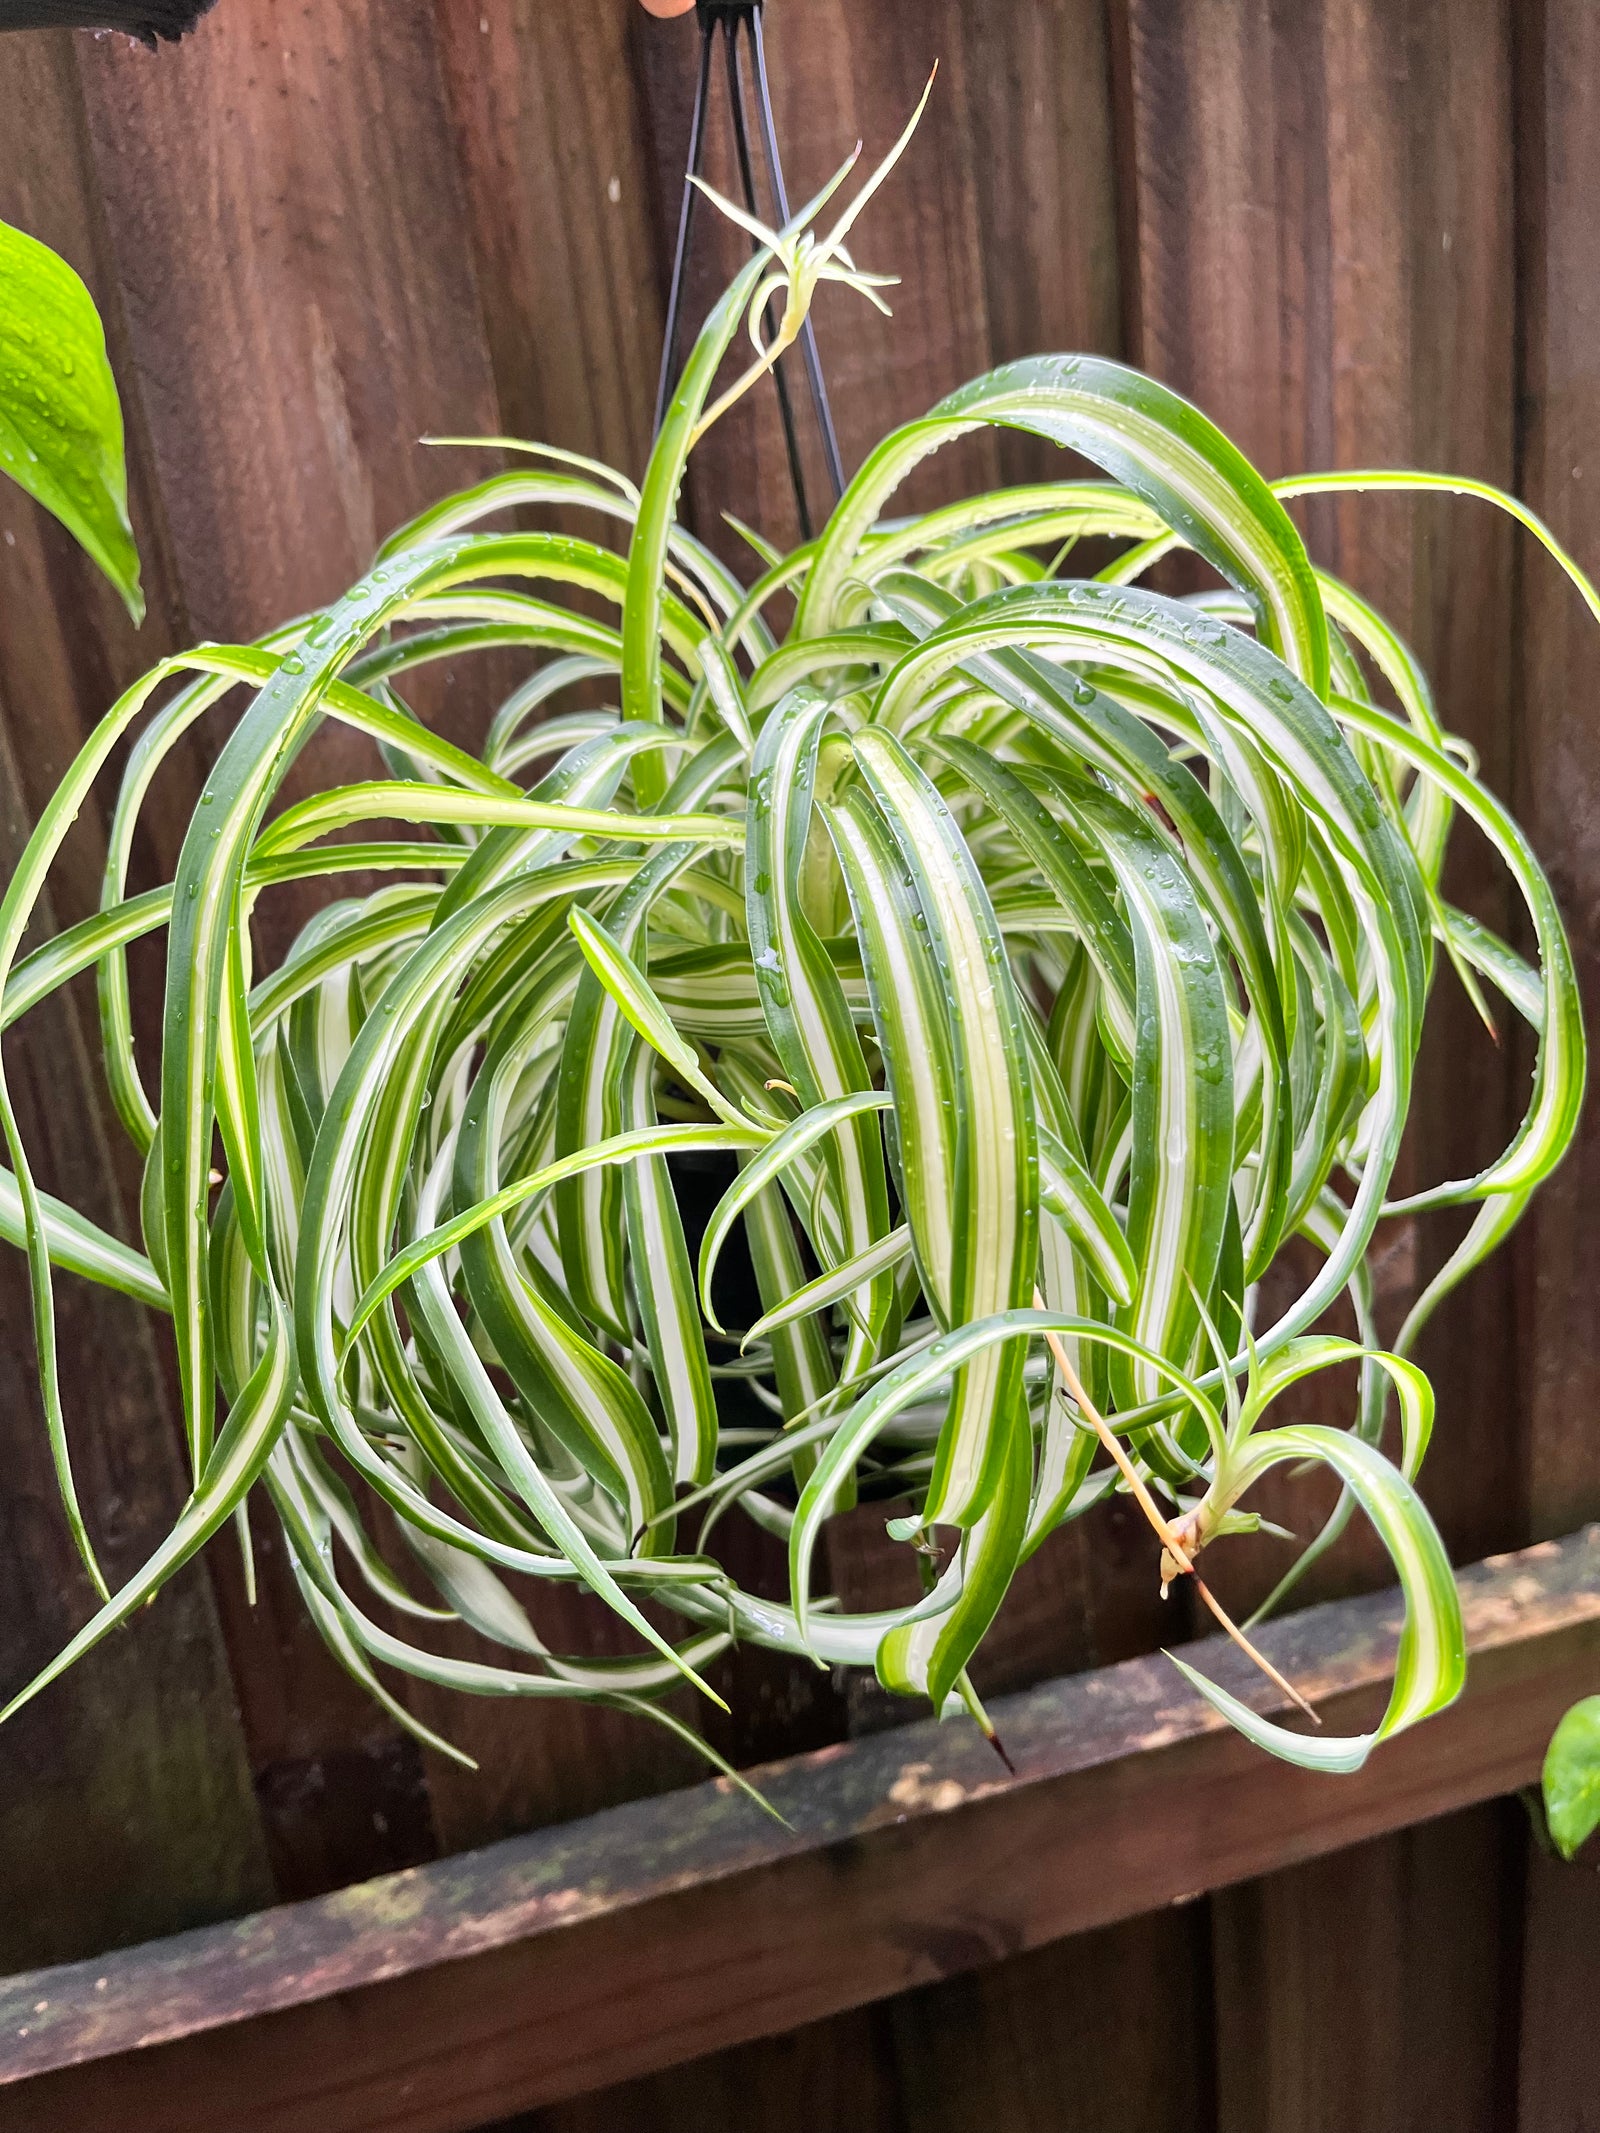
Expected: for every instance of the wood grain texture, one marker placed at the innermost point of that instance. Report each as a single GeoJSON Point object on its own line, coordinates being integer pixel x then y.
{"type": "Point", "coordinates": [1558, 773]}
{"type": "Point", "coordinates": [1001, 222]}
{"type": "Point", "coordinates": [285, 208]}
{"type": "Point", "coordinates": [125, 1804]}
{"type": "Point", "coordinates": [552, 136]}
{"type": "Point", "coordinates": [443, 1997]}
{"type": "Point", "coordinates": [321, 233]}
{"type": "Point", "coordinates": [1328, 273]}
{"type": "Point", "coordinates": [134, 1771]}
{"type": "Point", "coordinates": [1555, 2061]}
{"type": "Point", "coordinates": [1107, 2029]}
{"type": "Point", "coordinates": [1040, 156]}
{"type": "Point", "coordinates": [1322, 1945]}
{"type": "Point", "coordinates": [1331, 278]}
{"type": "Point", "coordinates": [838, 2076]}
{"type": "Point", "coordinates": [1558, 792]}
{"type": "Point", "coordinates": [1037, 146]}
{"type": "Point", "coordinates": [841, 74]}
{"type": "Point", "coordinates": [281, 203]}
{"type": "Point", "coordinates": [1082, 2033]}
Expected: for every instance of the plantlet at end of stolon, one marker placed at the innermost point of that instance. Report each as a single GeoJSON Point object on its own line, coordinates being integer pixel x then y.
{"type": "Point", "coordinates": [1039, 956]}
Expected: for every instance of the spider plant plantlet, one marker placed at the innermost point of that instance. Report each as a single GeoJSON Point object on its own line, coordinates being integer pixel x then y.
{"type": "Point", "coordinates": [1038, 956]}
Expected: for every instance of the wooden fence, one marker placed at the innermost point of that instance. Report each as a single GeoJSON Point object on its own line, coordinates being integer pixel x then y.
{"type": "Point", "coordinates": [1357, 232]}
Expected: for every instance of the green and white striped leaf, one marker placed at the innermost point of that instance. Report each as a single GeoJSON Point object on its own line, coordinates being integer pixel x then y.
{"type": "Point", "coordinates": [1008, 935]}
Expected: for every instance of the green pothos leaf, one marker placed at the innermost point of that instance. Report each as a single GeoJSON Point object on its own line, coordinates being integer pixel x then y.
{"type": "Point", "coordinates": [60, 419]}
{"type": "Point", "coordinates": [1571, 1778]}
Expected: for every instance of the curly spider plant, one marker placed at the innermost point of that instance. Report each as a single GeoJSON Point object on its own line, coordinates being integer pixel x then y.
{"type": "Point", "coordinates": [1038, 955]}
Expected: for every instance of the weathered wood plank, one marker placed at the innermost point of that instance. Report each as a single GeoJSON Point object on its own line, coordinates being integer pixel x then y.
{"type": "Point", "coordinates": [1001, 223]}
{"type": "Point", "coordinates": [1035, 127]}
{"type": "Point", "coordinates": [553, 142]}
{"type": "Point", "coordinates": [134, 1769]}
{"type": "Point", "coordinates": [284, 215]}
{"type": "Point", "coordinates": [1558, 794]}
{"type": "Point", "coordinates": [1085, 2032]}
{"type": "Point", "coordinates": [1326, 273]}
{"type": "Point", "coordinates": [1558, 769]}
{"type": "Point", "coordinates": [287, 219]}
{"type": "Point", "coordinates": [1455, 83]}
{"type": "Point", "coordinates": [1321, 1946]}
{"type": "Point", "coordinates": [1555, 2060]}
{"type": "Point", "coordinates": [1039, 156]}
{"type": "Point", "coordinates": [1331, 279]}
{"type": "Point", "coordinates": [837, 2076]}
{"type": "Point", "coordinates": [441, 1997]}
{"type": "Point", "coordinates": [125, 1802]}
{"type": "Point", "coordinates": [1110, 2029]}
{"type": "Point", "coordinates": [839, 74]}
{"type": "Point", "coordinates": [1021, 125]}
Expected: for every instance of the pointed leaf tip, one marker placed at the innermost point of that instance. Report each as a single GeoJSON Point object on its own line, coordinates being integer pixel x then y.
{"type": "Point", "coordinates": [60, 419]}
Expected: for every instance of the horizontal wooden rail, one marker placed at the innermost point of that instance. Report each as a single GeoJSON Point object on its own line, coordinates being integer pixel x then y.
{"type": "Point", "coordinates": [435, 2000]}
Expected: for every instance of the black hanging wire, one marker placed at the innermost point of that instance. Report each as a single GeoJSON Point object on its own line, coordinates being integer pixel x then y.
{"type": "Point", "coordinates": [732, 16]}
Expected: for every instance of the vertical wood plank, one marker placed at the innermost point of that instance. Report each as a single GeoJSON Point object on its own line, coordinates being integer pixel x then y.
{"type": "Point", "coordinates": [553, 140]}
{"type": "Point", "coordinates": [543, 1763]}
{"type": "Point", "coordinates": [125, 1802]}
{"type": "Point", "coordinates": [1001, 221]}
{"type": "Point", "coordinates": [1558, 768]}
{"type": "Point", "coordinates": [1383, 1972]}
{"type": "Point", "coordinates": [1110, 2029]}
{"type": "Point", "coordinates": [287, 219]}
{"type": "Point", "coordinates": [1558, 795]}
{"type": "Point", "coordinates": [283, 211]}
{"type": "Point", "coordinates": [1327, 273]}
{"type": "Point", "coordinates": [1225, 112]}
{"type": "Point", "coordinates": [1555, 2058]}
{"type": "Point", "coordinates": [1461, 156]}
{"type": "Point", "coordinates": [840, 74]}
{"type": "Point", "coordinates": [1325, 265]}
{"type": "Point", "coordinates": [1038, 150]}
{"type": "Point", "coordinates": [125, 1805]}
{"type": "Point", "coordinates": [1040, 155]}
{"type": "Point", "coordinates": [830, 2077]}
{"type": "Point", "coordinates": [1106, 2030]}
{"type": "Point", "coordinates": [360, 282]}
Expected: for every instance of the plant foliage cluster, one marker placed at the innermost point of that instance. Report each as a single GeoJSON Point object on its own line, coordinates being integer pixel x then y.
{"type": "Point", "coordinates": [1038, 954]}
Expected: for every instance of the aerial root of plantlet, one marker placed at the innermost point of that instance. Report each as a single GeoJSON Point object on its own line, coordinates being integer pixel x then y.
{"type": "Point", "coordinates": [1175, 1547]}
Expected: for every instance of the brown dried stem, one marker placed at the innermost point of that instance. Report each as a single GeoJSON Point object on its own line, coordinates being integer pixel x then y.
{"type": "Point", "coordinates": [1176, 1546]}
